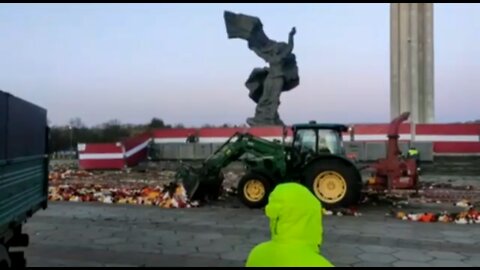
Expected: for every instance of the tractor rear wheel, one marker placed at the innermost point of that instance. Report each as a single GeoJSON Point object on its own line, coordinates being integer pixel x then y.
{"type": "Point", "coordinates": [254, 189]}
{"type": "Point", "coordinates": [334, 182]}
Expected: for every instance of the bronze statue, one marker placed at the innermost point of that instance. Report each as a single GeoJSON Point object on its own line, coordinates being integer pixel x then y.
{"type": "Point", "coordinates": [265, 84]}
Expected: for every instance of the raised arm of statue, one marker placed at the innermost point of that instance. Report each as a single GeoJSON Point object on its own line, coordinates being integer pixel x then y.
{"type": "Point", "coordinates": [290, 38]}
{"type": "Point", "coordinates": [289, 48]}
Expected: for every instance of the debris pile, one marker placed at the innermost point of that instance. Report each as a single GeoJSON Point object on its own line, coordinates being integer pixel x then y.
{"type": "Point", "coordinates": [469, 216]}
{"type": "Point", "coordinates": [432, 185]}
{"type": "Point", "coordinates": [465, 217]}
{"type": "Point", "coordinates": [65, 174]}
{"type": "Point", "coordinates": [342, 212]}
{"type": "Point", "coordinates": [157, 188]}
{"type": "Point", "coordinates": [167, 196]}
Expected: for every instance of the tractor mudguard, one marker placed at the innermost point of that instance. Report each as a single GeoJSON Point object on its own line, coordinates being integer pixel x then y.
{"type": "Point", "coordinates": [328, 156]}
{"type": "Point", "coordinates": [333, 157]}
{"type": "Point", "coordinates": [265, 174]}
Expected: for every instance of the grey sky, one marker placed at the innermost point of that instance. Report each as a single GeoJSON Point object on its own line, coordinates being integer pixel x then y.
{"type": "Point", "coordinates": [137, 61]}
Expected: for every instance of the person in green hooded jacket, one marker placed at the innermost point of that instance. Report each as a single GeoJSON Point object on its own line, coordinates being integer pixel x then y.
{"type": "Point", "coordinates": [295, 216]}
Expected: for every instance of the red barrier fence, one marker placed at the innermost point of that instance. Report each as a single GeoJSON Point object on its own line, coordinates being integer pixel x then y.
{"type": "Point", "coordinates": [446, 139]}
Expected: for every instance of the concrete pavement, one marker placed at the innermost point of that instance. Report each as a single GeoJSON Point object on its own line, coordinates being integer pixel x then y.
{"type": "Point", "coordinates": [84, 234]}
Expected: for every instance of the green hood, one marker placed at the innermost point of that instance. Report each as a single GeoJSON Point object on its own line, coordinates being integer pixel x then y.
{"type": "Point", "coordinates": [295, 215]}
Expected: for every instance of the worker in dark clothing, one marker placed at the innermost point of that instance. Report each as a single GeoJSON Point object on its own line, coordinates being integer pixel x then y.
{"type": "Point", "coordinates": [192, 138]}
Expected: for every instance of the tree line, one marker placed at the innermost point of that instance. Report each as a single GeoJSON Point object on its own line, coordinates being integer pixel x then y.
{"type": "Point", "coordinates": [66, 137]}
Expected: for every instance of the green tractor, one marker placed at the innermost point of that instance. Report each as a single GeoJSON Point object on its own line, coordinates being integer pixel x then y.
{"type": "Point", "coordinates": [315, 158]}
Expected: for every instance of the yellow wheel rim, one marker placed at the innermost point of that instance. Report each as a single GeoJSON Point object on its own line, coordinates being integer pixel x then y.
{"type": "Point", "coordinates": [254, 190]}
{"type": "Point", "coordinates": [330, 187]}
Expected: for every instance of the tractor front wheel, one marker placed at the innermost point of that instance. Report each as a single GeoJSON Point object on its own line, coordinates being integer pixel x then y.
{"type": "Point", "coordinates": [253, 190]}
{"type": "Point", "coordinates": [334, 182]}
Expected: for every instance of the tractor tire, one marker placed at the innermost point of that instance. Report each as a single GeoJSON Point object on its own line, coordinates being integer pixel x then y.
{"type": "Point", "coordinates": [334, 182]}
{"type": "Point", "coordinates": [254, 189]}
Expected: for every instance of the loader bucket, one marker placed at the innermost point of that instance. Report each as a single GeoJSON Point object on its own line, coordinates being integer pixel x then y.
{"type": "Point", "coordinates": [190, 179]}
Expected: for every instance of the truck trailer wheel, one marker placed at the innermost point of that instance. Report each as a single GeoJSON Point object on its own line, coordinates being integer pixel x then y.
{"type": "Point", "coordinates": [334, 182]}
{"type": "Point", "coordinates": [253, 190]}
{"type": "Point", "coordinates": [5, 261]}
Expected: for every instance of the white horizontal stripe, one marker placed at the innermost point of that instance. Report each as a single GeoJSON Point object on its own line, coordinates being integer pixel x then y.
{"type": "Point", "coordinates": [456, 154]}
{"type": "Point", "coordinates": [205, 139]}
{"type": "Point", "coordinates": [224, 139]}
{"type": "Point", "coordinates": [447, 138]}
{"type": "Point", "coordinates": [373, 137]}
{"type": "Point", "coordinates": [101, 156]}
{"type": "Point", "coordinates": [137, 149]}
{"type": "Point", "coordinates": [170, 140]}
{"type": "Point", "coordinates": [423, 138]}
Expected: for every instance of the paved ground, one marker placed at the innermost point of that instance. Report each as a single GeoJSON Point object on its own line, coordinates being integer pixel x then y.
{"type": "Point", "coordinates": [82, 234]}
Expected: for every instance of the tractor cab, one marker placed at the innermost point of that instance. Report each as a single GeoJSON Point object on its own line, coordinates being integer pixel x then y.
{"type": "Point", "coordinates": [319, 139]}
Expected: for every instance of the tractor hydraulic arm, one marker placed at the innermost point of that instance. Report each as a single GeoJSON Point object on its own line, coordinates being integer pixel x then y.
{"type": "Point", "coordinates": [206, 179]}
{"type": "Point", "coordinates": [235, 147]}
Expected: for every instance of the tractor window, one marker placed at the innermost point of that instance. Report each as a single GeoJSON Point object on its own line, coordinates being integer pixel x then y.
{"type": "Point", "coordinates": [329, 140]}
{"type": "Point", "coordinates": [305, 140]}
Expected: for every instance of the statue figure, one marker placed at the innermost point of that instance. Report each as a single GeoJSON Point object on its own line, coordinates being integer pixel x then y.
{"type": "Point", "coordinates": [265, 84]}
